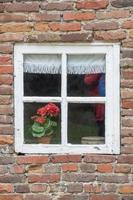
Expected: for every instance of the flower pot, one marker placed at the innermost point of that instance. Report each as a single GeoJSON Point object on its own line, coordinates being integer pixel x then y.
{"type": "Point", "coordinates": [45, 139]}
{"type": "Point", "coordinates": [92, 140]}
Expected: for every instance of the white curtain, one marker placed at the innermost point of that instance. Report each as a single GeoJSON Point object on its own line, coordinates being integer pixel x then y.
{"type": "Point", "coordinates": [76, 64]}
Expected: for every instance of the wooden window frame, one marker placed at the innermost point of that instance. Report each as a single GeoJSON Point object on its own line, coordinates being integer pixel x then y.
{"type": "Point", "coordinates": [112, 99]}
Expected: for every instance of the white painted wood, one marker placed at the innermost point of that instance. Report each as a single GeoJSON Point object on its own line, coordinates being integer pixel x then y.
{"type": "Point", "coordinates": [112, 99]}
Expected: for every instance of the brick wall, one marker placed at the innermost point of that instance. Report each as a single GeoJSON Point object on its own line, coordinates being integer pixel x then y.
{"type": "Point", "coordinates": [65, 177]}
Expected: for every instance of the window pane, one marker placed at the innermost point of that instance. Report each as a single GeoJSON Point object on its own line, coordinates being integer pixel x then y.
{"type": "Point", "coordinates": [42, 75]}
{"type": "Point", "coordinates": [86, 123]}
{"type": "Point", "coordinates": [86, 75]}
{"type": "Point", "coordinates": [42, 123]}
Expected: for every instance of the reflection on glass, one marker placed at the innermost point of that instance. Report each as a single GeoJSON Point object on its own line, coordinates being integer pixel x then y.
{"type": "Point", "coordinates": [42, 123]}
{"type": "Point", "coordinates": [86, 123]}
{"type": "Point", "coordinates": [42, 75]}
{"type": "Point", "coordinates": [86, 75]}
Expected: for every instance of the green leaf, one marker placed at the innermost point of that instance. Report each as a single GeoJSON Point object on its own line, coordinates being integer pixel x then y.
{"type": "Point", "coordinates": [37, 128]}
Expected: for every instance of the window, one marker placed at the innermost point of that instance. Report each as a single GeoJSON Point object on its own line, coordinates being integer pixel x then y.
{"type": "Point", "coordinates": [67, 98]}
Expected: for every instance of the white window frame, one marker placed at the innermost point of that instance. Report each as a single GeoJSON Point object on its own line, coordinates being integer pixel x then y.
{"type": "Point", "coordinates": [112, 99]}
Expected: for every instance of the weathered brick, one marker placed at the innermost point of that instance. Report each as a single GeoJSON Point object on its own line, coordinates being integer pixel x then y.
{"type": "Point", "coordinates": [127, 122]}
{"type": "Point", "coordinates": [116, 14]}
{"type": "Point", "coordinates": [49, 178]}
{"type": "Point", "coordinates": [2, 7]}
{"type": "Point", "coordinates": [40, 26]}
{"type": "Point", "coordinates": [75, 37]}
{"type": "Point", "coordinates": [127, 43]}
{"type": "Point", "coordinates": [7, 188]}
{"type": "Point", "coordinates": [5, 99]}
{"type": "Point", "coordinates": [127, 53]}
{"type": "Point", "coordinates": [6, 129]}
{"type": "Point", "coordinates": [122, 169]}
{"type": "Point", "coordinates": [37, 197]}
{"type": "Point", "coordinates": [127, 197]}
{"type": "Point", "coordinates": [75, 26]}
{"type": "Point", "coordinates": [101, 26]}
{"type": "Point", "coordinates": [127, 150]}
{"type": "Point", "coordinates": [6, 119]}
{"type": "Point", "coordinates": [6, 160]}
{"type": "Point", "coordinates": [65, 158]}
{"type": "Point", "coordinates": [79, 16]}
{"type": "Point", "coordinates": [6, 110]}
{"type": "Point", "coordinates": [121, 3]}
{"type": "Point", "coordinates": [126, 62]}
{"type": "Point", "coordinates": [73, 197]}
{"type": "Point", "coordinates": [49, 169]}
{"type": "Point", "coordinates": [6, 69]}
{"type": "Point", "coordinates": [3, 169]}
{"type": "Point", "coordinates": [127, 74]}
{"type": "Point", "coordinates": [99, 158]}
{"type": "Point", "coordinates": [104, 197]}
{"type": "Point", "coordinates": [43, 37]}
{"type": "Point", "coordinates": [127, 93]}
{"type": "Point", "coordinates": [127, 24]}
{"type": "Point", "coordinates": [7, 17]}
{"type": "Point", "coordinates": [105, 168]}
{"type": "Point", "coordinates": [78, 177]}
{"type": "Point", "coordinates": [125, 159]}
{"type": "Point", "coordinates": [21, 27]}
{"type": "Point", "coordinates": [69, 167]}
{"type": "Point", "coordinates": [22, 7]}
{"type": "Point", "coordinates": [126, 189]}
{"type": "Point", "coordinates": [110, 35]}
{"type": "Point", "coordinates": [109, 187]}
{"type": "Point", "coordinates": [87, 167]}
{"type": "Point", "coordinates": [57, 6]}
{"type": "Point", "coordinates": [131, 34]}
{"type": "Point", "coordinates": [127, 140]}
{"type": "Point", "coordinates": [32, 159]}
{"type": "Point", "coordinates": [6, 139]}
{"type": "Point", "coordinates": [38, 188]}
{"type": "Point", "coordinates": [96, 4]}
{"type": "Point", "coordinates": [6, 90]}
{"type": "Point", "coordinates": [35, 169]}
{"type": "Point", "coordinates": [22, 188]}
{"type": "Point", "coordinates": [75, 188]}
{"type": "Point", "coordinates": [12, 178]}
{"type": "Point", "coordinates": [92, 188]}
{"type": "Point", "coordinates": [40, 17]}
{"type": "Point", "coordinates": [113, 178]}
{"type": "Point", "coordinates": [11, 197]}
{"type": "Point", "coordinates": [127, 112]}
{"type": "Point", "coordinates": [127, 84]}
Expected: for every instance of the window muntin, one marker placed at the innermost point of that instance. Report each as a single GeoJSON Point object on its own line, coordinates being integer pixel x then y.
{"type": "Point", "coordinates": [68, 97]}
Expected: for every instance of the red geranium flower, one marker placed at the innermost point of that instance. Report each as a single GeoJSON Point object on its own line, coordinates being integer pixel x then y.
{"type": "Point", "coordinates": [42, 111]}
{"type": "Point", "coordinates": [40, 120]}
{"type": "Point", "coordinates": [52, 110]}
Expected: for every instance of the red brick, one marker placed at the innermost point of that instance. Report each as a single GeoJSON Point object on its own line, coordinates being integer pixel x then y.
{"type": "Point", "coordinates": [39, 17]}
{"type": "Point", "coordinates": [22, 188]}
{"type": "Point", "coordinates": [99, 159]}
{"type": "Point", "coordinates": [127, 140]}
{"type": "Point", "coordinates": [22, 7]}
{"type": "Point", "coordinates": [41, 27]}
{"type": "Point", "coordinates": [6, 188]}
{"type": "Point", "coordinates": [57, 6]}
{"type": "Point", "coordinates": [92, 188]}
{"type": "Point", "coordinates": [65, 158]}
{"type": "Point", "coordinates": [116, 14]}
{"type": "Point", "coordinates": [127, 122]}
{"type": "Point", "coordinates": [11, 37]}
{"type": "Point", "coordinates": [10, 197]}
{"type": "Point", "coordinates": [2, 7]}
{"type": "Point", "coordinates": [6, 48]}
{"type": "Point", "coordinates": [79, 16]}
{"type": "Point", "coordinates": [32, 159]}
{"type": "Point", "coordinates": [49, 178]}
{"type": "Point", "coordinates": [74, 26]}
{"type": "Point", "coordinates": [35, 169]}
{"type": "Point", "coordinates": [101, 26]}
{"type": "Point", "coordinates": [69, 167]}
{"type": "Point", "coordinates": [104, 197]}
{"type": "Point", "coordinates": [122, 169]}
{"type": "Point", "coordinates": [6, 79]}
{"type": "Point", "coordinates": [7, 17]}
{"type": "Point", "coordinates": [39, 188]}
{"type": "Point", "coordinates": [6, 69]}
{"type": "Point", "coordinates": [104, 168]}
{"type": "Point", "coordinates": [127, 94]}
{"type": "Point", "coordinates": [127, 150]}
{"type": "Point", "coordinates": [76, 37]}
{"type": "Point", "coordinates": [92, 4]}
{"type": "Point", "coordinates": [131, 34]}
{"type": "Point", "coordinates": [127, 74]}
{"type": "Point", "coordinates": [5, 60]}
{"type": "Point", "coordinates": [126, 189]}
{"type": "Point", "coordinates": [6, 139]}
{"type": "Point", "coordinates": [17, 169]}
{"type": "Point", "coordinates": [125, 159]}
{"type": "Point", "coordinates": [110, 35]}
{"type": "Point", "coordinates": [7, 178]}
{"type": "Point", "coordinates": [37, 197]}
{"type": "Point", "coordinates": [6, 110]}
{"type": "Point", "coordinates": [127, 83]}
{"type": "Point", "coordinates": [128, 24]}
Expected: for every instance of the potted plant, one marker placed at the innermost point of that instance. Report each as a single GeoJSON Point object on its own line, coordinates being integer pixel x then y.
{"type": "Point", "coordinates": [44, 122]}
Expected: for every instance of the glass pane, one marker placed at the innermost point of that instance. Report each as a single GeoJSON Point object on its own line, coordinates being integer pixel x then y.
{"type": "Point", "coordinates": [86, 75]}
{"type": "Point", "coordinates": [42, 123]}
{"type": "Point", "coordinates": [86, 123]}
{"type": "Point", "coordinates": [42, 75]}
